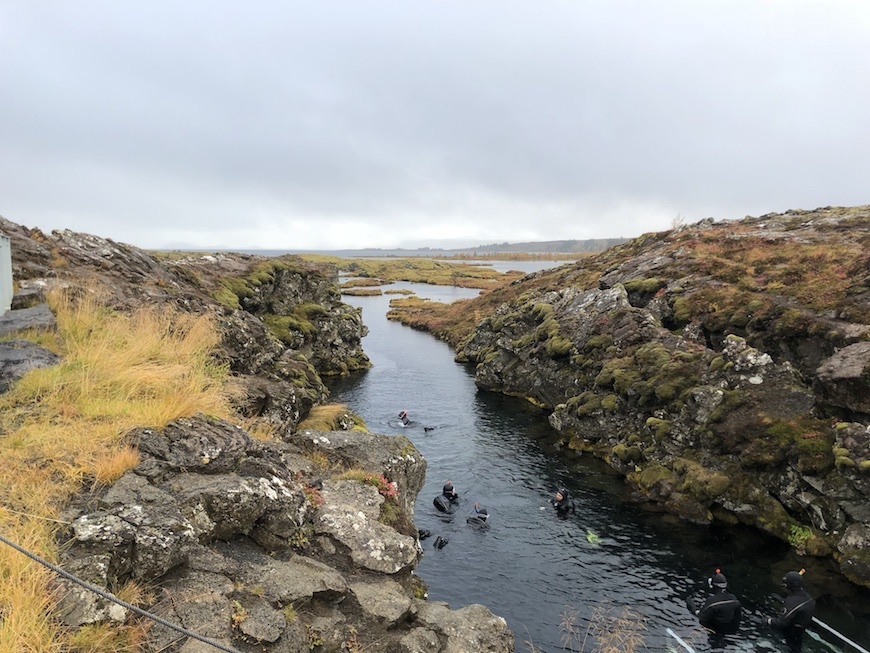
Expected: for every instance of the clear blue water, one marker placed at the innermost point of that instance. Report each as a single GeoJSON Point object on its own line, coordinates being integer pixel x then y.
{"type": "Point", "coordinates": [532, 568]}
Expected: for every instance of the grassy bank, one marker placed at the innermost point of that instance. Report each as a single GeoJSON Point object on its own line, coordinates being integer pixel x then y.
{"type": "Point", "coordinates": [63, 433]}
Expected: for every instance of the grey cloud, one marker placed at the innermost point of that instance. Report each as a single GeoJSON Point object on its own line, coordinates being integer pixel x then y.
{"type": "Point", "coordinates": [219, 122]}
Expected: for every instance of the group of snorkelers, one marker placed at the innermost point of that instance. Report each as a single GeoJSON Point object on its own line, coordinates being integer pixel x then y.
{"type": "Point", "coordinates": [447, 502]}
{"type": "Point", "coordinates": [721, 612]}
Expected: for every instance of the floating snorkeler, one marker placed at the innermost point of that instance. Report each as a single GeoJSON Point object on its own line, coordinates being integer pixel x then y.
{"type": "Point", "coordinates": [562, 502]}
{"type": "Point", "coordinates": [480, 518]}
{"type": "Point", "coordinates": [447, 500]}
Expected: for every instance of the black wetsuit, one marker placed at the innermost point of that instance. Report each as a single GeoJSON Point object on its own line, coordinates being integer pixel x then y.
{"type": "Point", "coordinates": [720, 613]}
{"type": "Point", "coordinates": [797, 613]}
{"type": "Point", "coordinates": [445, 502]}
{"type": "Point", "coordinates": [477, 520]}
{"type": "Point", "coordinates": [563, 507]}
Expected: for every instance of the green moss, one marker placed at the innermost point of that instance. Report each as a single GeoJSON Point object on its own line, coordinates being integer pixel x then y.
{"type": "Point", "coordinates": [652, 475]}
{"type": "Point", "coordinates": [798, 535]}
{"type": "Point", "coordinates": [542, 311]}
{"type": "Point", "coordinates": [558, 346]}
{"type": "Point", "coordinates": [844, 461]}
{"type": "Point", "coordinates": [731, 401]}
{"type": "Point", "coordinates": [524, 341]}
{"type": "Point", "coordinates": [683, 309]}
{"type": "Point", "coordinates": [620, 452]}
{"type": "Point", "coordinates": [418, 587]}
{"type": "Point", "coordinates": [227, 297]}
{"type": "Point", "coordinates": [624, 380]}
{"type": "Point", "coordinates": [389, 514]}
{"type": "Point", "coordinates": [652, 355]}
{"type": "Point", "coordinates": [839, 452]}
{"type": "Point", "coordinates": [309, 311]}
{"type": "Point", "coordinates": [864, 466]}
{"type": "Point", "coordinates": [702, 483]}
{"type": "Point", "coordinates": [650, 285]}
{"type": "Point", "coordinates": [285, 327]}
{"type": "Point", "coordinates": [601, 341]}
{"type": "Point", "coordinates": [489, 354]}
{"type": "Point", "coordinates": [610, 403]}
{"type": "Point", "coordinates": [626, 454]}
{"type": "Point", "coordinates": [661, 427]}
{"type": "Point", "coordinates": [717, 364]}
{"type": "Point", "coordinates": [584, 404]}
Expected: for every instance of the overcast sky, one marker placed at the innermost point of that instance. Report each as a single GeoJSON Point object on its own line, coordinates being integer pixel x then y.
{"type": "Point", "coordinates": [328, 125]}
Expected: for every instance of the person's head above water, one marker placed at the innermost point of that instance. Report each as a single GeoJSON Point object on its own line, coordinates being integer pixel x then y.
{"type": "Point", "coordinates": [793, 580]}
{"type": "Point", "coordinates": [561, 493]}
{"type": "Point", "coordinates": [718, 580]}
{"type": "Point", "coordinates": [448, 490]}
{"type": "Point", "coordinates": [483, 513]}
{"type": "Point", "coordinates": [403, 414]}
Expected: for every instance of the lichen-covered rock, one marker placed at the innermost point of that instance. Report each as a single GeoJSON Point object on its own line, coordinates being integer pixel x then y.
{"type": "Point", "coordinates": [34, 317]}
{"type": "Point", "coordinates": [249, 545]}
{"type": "Point", "coordinates": [325, 337]}
{"type": "Point", "coordinates": [394, 456]}
{"type": "Point", "coordinates": [386, 601]}
{"type": "Point", "coordinates": [843, 380]}
{"type": "Point", "coordinates": [472, 628]}
{"type": "Point", "coordinates": [710, 389]}
{"type": "Point", "coordinates": [349, 515]}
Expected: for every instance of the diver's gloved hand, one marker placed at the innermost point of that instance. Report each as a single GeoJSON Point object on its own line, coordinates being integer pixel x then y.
{"type": "Point", "coordinates": [761, 621]}
{"type": "Point", "coordinates": [692, 605]}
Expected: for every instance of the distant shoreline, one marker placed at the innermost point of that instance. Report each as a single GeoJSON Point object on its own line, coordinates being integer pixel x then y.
{"type": "Point", "coordinates": [552, 250]}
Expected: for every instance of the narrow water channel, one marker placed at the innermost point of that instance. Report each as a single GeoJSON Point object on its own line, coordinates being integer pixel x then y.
{"type": "Point", "coordinates": [546, 575]}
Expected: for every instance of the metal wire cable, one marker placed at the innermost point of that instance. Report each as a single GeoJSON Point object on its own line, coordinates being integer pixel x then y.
{"type": "Point", "coordinates": [115, 599]}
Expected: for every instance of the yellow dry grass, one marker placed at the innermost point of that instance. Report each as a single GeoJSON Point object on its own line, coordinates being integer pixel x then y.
{"type": "Point", "coordinates": [63, 429]}
{"type": "Point", "coordinates": [327, 418]}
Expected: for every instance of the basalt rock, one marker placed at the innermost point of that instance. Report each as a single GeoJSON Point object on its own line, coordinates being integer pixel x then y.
{"type": "Point", "coordinates": [722, 367]}
{"type": "Point", "coordinates": [250, 543]}
{"type": "Point", "coordinates": [843, 380]}
{"type": "Point", "coordinates": [18, 357]}
{"type": "Point", "coordinates": [280, 367]}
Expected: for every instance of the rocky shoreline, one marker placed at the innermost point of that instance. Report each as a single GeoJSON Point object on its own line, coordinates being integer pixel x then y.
{"type": "Point", "coordinates": [302, 542]}
{"type": "Point", "coordinates": [723, 368]}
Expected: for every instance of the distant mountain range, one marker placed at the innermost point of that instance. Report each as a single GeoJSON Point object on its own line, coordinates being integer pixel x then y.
{"type": "Point", "coordinates": [590, 246]}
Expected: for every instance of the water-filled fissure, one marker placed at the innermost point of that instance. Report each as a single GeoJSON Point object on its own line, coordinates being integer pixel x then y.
{"type": "Point", "coordinates": [545, 575]}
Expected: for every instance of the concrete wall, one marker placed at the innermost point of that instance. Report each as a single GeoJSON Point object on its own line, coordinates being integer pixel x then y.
{"type": "Point", "coordinates": [5, 274]}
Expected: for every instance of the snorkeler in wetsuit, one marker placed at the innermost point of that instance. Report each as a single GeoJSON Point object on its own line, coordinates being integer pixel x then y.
{"type": "Point", "coordinates": [562, 502]}
{"type": "Point", "coordinates": [797, 612]}
{"type": "Point", "coordinates": [720, 613]}
{"type": "Point", "coordinates": [479, 518]}
{"type": "Point", "coordinates": [447, 500]}
{"type": "Point", "coordinates": [403, 417]}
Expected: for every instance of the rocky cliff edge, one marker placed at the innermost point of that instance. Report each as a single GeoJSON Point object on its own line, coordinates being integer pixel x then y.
{"type": "Point", "coordinates": [722, 367]}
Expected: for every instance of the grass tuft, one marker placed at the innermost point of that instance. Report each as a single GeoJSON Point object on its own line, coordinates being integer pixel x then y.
{"type": "Point", "coordinates": [332, 417]}
{"type": "Point", "coordinates": [64, 429]}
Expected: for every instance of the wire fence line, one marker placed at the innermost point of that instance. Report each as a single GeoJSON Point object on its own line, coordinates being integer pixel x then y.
{"type": "Point", "coordinates": [111, 597]}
